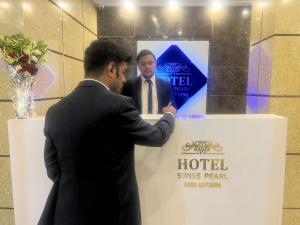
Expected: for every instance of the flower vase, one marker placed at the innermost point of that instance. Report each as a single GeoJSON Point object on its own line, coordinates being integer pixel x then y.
{"type": "Point", "coordinates": [23, 100]}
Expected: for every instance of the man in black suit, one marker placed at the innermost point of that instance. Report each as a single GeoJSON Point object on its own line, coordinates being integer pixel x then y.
{"type": "Point", "coordinates": [89, 147]}
{"type": "Point", "coordinates": [150, 93]}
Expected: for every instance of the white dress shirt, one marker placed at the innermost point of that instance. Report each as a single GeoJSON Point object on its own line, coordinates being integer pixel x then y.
{"type": "Point", "coordinates": [144, 95]}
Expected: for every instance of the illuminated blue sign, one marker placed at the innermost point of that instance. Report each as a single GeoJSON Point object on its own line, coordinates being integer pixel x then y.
{"type": "Point", "coordinates": [185, 77]}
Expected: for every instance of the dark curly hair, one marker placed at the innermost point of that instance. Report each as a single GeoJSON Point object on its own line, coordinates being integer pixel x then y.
{"type": "Point", "coordinates": [100, 53]}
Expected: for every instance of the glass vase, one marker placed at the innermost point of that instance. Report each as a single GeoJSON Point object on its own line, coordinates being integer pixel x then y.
{"type": "Point", "coordinates": [23, 100]}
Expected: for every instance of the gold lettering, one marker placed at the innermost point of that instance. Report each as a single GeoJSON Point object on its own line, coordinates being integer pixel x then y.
{"type": "Point", "coordinates": [188, 175]}
{"type": "Point", "coordinates": [212, 176]}
{"type": "Point", "coordinates": [204, 163]}
{"type": "Point", "coordinates": [182, 162]}
{"type": "Point", "coordinates": [194, 164]}
{"type": "Point", "coordinates": [222, 165]}
{"type": "Point", "coordinates": [214, 164]}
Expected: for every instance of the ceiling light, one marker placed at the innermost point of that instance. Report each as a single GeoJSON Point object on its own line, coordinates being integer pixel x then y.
{"type": "Point", "coordinates": [173, 4]}
{"type": "Point", "coordinates": [262, 4]}
{"type": "Point", "coordinates": [216, 5]}
{"type": "Point", "coordinates": [4, 5]}
{"type": "Point", "coordinates": [154, 19]}
{"type": "Point", "coordinates": [27, 7]}
{"type": "Point", "coordinates": [245, 12]}
{"type": "Point", "coordinates": [128, 5]}
{"type": "Point", "coordinates": [63, 5]}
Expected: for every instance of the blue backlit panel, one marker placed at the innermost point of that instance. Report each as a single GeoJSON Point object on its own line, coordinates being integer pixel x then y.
{"type": "Point", "coordinates": [185, 77]}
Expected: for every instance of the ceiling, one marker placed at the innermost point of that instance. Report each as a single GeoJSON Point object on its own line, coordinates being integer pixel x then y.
{"type": "Point", "coordinates": [166, 2]}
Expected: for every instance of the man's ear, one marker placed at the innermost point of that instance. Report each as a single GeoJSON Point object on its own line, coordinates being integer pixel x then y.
{"type": "Point", "coordinates": [111, 69]}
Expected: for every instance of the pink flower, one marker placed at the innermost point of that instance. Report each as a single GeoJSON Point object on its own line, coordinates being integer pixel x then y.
{"type": "Point", "coordinates": [32, 69]}
{"type": "Point", "coordinates": [24, 58]}
{"type": "Point", "coordinates": [12, 55]}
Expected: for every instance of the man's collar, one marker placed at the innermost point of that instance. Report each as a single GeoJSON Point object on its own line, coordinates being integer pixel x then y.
{"type": "Point", "coordinates": [98, 82]}
{"type": "Point", "coordinates": [152, 79]}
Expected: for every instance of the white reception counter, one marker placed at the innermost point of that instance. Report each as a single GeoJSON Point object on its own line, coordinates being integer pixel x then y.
{"type": "Point", "coordinates": [216, 170]}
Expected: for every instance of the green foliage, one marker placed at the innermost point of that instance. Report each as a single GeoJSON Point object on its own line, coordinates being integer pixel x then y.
{"type": "Point", "coordinates": [17, 50]}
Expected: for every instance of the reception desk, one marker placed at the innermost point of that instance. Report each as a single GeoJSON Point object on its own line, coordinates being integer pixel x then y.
{"type": "Point", "coordinates": [216, 170]}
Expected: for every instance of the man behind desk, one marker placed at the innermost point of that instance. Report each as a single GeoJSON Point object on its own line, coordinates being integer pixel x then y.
{"type": "Point", "coordinates": [89, 147]}
{"type": "Point", "coordinates": [150, 93]}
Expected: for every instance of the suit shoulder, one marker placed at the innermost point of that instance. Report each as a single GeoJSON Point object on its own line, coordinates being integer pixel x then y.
{"type": "Point", "coordinates": [132, 81]}
{"type": "Point", "coordinates": [119, 99]}
{"type": "Point", "coordinates": [129, 87]}
{"type": "Point", "coordinates": [54, 107]}
{"type": "Point", "coordinates": [164, 82]}
{"type": "Point", "coordinates": [127, 84]}
{"type": "Point", "coordinates": [122, 103]}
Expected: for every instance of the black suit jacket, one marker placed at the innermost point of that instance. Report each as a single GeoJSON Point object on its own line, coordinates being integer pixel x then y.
{"type": "Point", "coordinates": [89, 155]}
{"type": "Point", "coordinates": [133, 88]}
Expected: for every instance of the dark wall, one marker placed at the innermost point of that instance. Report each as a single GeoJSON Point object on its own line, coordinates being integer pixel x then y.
{"type": "Point", "coordinates": [228, 32]}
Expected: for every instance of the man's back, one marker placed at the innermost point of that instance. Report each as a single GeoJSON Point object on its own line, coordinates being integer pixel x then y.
{"type": "Point", "coordinates": [89, 155]}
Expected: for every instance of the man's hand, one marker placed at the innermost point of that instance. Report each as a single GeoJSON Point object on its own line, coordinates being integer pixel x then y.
{"type": "Point", "coordinates": [170, 109]}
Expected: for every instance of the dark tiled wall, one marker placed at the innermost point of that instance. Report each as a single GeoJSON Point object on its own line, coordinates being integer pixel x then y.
{"type": "Point", "coordinates": [228, 32]}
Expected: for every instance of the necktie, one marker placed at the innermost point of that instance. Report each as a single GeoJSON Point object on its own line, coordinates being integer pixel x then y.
{"type": "Point", "coordinates": [149, 96]}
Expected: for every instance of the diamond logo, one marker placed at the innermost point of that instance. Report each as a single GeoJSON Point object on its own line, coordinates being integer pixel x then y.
{"type": "Point", "coordinates": [185, 77]}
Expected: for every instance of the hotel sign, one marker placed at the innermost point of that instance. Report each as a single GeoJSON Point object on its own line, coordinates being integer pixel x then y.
{"type": "Point", "coordinates": [201, 164]}
{"type": "Point", "coordinates": [185, 77]}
